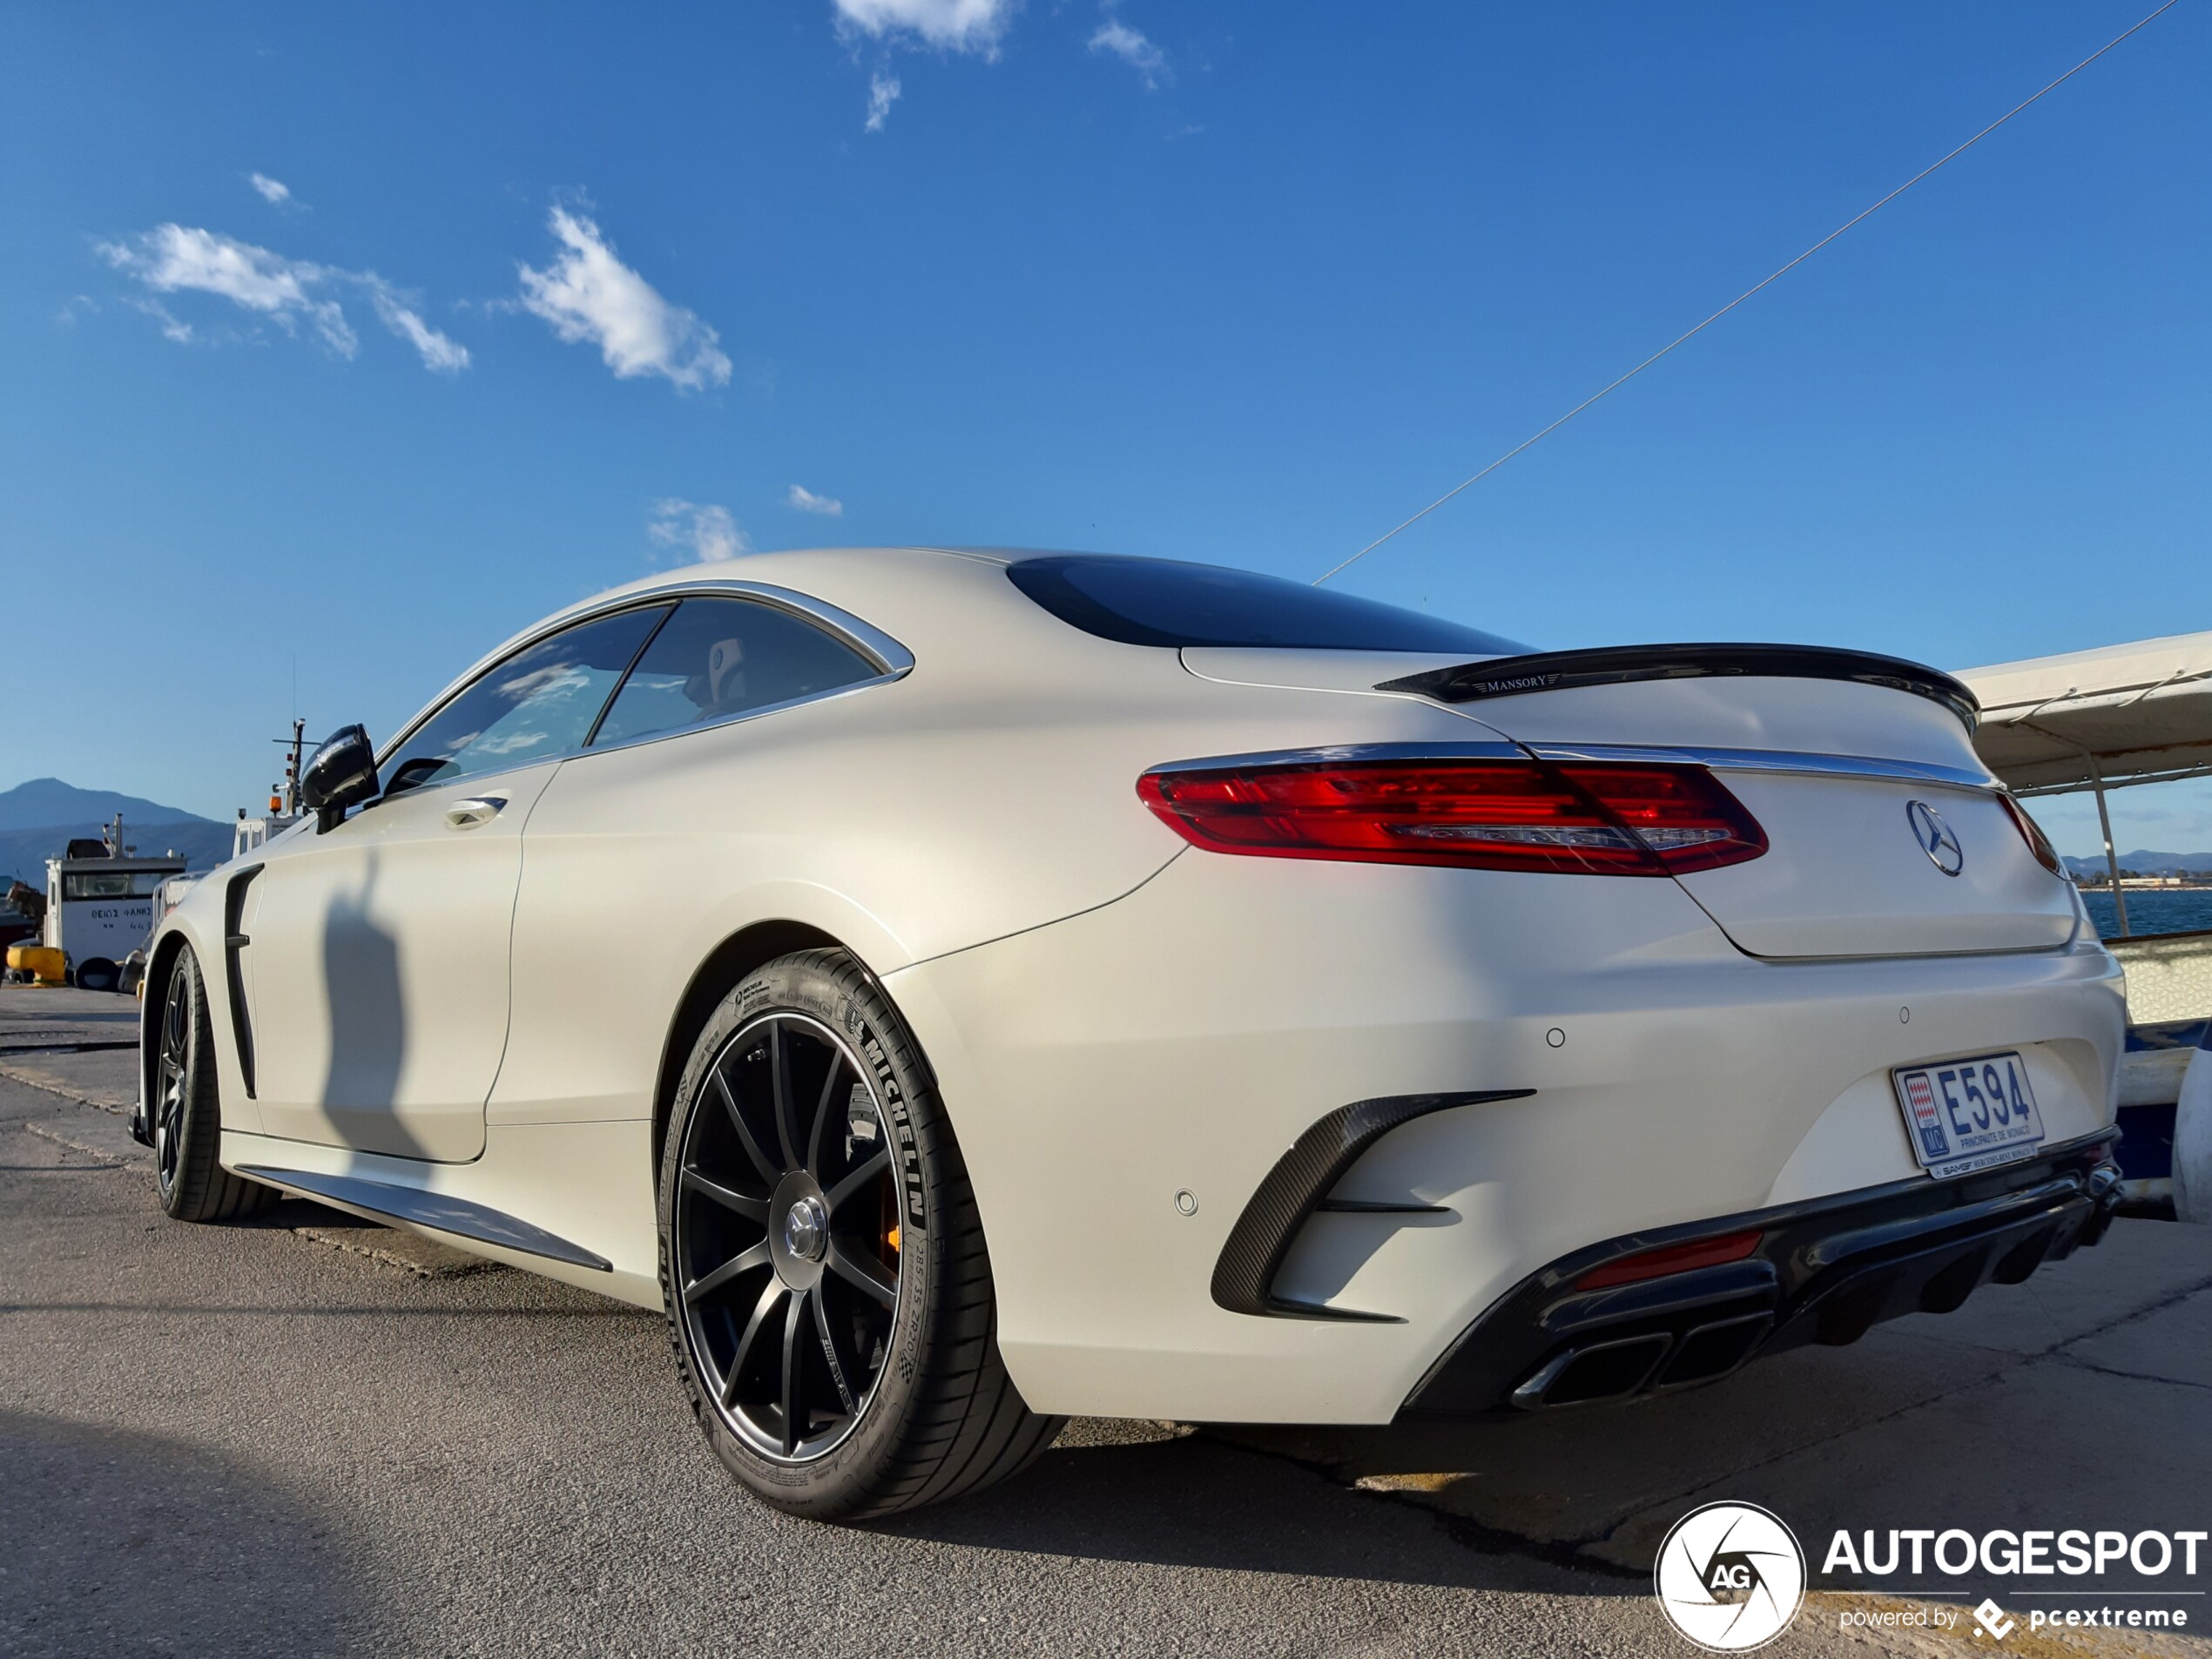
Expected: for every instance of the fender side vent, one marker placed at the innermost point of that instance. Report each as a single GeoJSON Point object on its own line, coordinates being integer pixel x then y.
{"type": "Point", "coordinates": [234, 971]}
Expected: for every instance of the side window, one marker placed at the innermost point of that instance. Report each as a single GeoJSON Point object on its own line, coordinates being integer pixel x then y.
{"type": "Point", "coordinates": [537, 704]}
{"type": "Point", "coordinates": [718, 658]}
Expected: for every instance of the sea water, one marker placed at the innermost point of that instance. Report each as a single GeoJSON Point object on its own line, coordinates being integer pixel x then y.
{"type": "Point", "coordinates": [2152, 910]}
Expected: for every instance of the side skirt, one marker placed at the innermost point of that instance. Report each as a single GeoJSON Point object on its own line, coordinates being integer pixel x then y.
{"type": "Point", "coordinates": [441, 1212]}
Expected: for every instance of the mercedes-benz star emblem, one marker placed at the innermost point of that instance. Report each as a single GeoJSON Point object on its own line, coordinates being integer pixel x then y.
{"type": "Point", "coordinates": [806, 1229]}
{"type": "Point", "coordinates": [1935, 837]}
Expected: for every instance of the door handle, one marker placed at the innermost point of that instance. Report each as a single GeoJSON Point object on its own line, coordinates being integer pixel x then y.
{"type": "Point", "coordinates": [467, 814]}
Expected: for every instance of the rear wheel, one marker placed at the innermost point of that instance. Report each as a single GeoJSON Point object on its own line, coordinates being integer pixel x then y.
{"type": "Point", "coordinates": [822, 1261]}
{"type": "Point", "coordinates": [99, 975]}
{"type": "Point", "coordinates": [187, 1114]}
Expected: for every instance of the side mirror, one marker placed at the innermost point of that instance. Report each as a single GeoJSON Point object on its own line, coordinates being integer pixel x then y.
{"type": "Point", "coordinates": [340, 774]}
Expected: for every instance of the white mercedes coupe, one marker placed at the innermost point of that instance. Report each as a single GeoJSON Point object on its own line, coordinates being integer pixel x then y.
{"type": "Point", "coordinates": [964, 988]}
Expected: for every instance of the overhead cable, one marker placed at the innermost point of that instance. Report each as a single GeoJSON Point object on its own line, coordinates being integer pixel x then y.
{"type": "Point", "coordinates": [1781, 271]}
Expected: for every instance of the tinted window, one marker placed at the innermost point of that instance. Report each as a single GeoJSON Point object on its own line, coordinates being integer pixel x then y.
{"type": "Point", "coordinates": [718, 658]}
{"type": "Point", "coordinates": [1162, 601]}
{"type": "Point", "coordinates": [537, 704]}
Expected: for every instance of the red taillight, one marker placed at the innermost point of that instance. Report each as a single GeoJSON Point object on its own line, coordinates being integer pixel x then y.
{"type": "Point", "coordinates": [2032, 832]}
{"type": "Point", "coordinates": [1589, 818]}
{"type": "Point", "coordinates": [1670, 1259]}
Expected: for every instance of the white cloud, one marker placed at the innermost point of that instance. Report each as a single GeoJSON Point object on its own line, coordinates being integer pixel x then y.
{"type": "Point", "coordinates": [440, 352]}
{"type": "Point", "coordinates": [952, 25]}
{"type": "Point", "coordinates": [275, 194]}
{"type": "Point", "coordinates": [1133, 48]}
{"type": "Point", "coordinates": [708, 531]}
{"type": "Point", "coordinates": [172, 326]}
{"type": "Point", "coordinates": [176, 259]}
{"type": "Point", "coordinates": [170, 257]}
{"type": "Point", "coordinates": [77, 306]}
{"type": "Point", "coordinates": [883, 93]}
{"type": "Point", "coordinates": [589, 294]}
{"type": "Point", "coordinates": [807, 502]}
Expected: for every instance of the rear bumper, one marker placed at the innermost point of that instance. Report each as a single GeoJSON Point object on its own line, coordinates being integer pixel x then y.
{"type": "Point", "coordinates": [1129, 1084]}
{"type": "Point", "coordinates": [1823, 1271]}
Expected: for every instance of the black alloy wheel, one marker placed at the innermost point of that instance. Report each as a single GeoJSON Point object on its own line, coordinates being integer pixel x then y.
{"type": "Point", "coordinates": [785, 1235]}
{"type": "Point", "coordinates": [172, 1063]}
{"type": "Point", "coordinates": [823, 1267]}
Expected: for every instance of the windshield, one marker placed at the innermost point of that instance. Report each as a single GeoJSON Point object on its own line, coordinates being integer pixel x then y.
{"type": "Point", "coordinates": [1164, 602]}
{"type": "Point", "coordinates": [111, 884]}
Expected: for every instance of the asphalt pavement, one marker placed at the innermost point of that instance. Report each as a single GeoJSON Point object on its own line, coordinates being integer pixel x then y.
{"type": "Point", "coordinates": [308, 1435]}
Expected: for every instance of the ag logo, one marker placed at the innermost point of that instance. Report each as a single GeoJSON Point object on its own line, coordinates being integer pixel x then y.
{"type": "Point", "coordinates": [1730, 1577]}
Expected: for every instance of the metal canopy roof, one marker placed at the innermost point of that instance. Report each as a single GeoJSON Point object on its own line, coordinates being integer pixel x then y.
{"type": "Point", "coordinates": [2095, 719]}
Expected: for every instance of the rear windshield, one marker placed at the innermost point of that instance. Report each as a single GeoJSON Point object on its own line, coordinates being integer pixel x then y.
{"type": "Point", "coordinates": [1164, 602]}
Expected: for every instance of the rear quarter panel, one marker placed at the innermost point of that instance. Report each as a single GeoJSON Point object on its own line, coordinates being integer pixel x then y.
{"type": "Point", "coordinates": [991, 790]}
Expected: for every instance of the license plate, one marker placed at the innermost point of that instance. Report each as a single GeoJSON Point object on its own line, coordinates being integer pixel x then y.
{"type": "Point", "coordinates": [1968, 1114]}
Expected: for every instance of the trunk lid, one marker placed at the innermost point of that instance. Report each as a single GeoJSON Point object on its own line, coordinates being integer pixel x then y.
{"type": "Point", "coordinates": [1830, 751]}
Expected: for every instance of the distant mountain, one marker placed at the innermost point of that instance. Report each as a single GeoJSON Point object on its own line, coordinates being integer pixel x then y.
{"type": "Point", "coordinates": [46, 801]}
{"type": "Point", "coordinates": [38, 821]}
{"type": "Point", "coordinates": [2146, 863]}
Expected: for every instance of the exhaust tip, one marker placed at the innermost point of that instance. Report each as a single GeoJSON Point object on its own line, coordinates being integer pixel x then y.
{"type": "Point", "coordinates": [1710, 1352]}
{"type": "Point", "coordinates": [1601, 1371]}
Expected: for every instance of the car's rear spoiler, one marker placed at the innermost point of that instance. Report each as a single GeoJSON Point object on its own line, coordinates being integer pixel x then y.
{"type": "Point", "coordinates": [1551, 670]}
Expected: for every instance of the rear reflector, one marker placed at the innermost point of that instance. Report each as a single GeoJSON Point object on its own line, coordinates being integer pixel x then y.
{"type": "Point", "coordinates": [1586, 817]}
{"type": "Point", "coordinates": [1670, 1259]}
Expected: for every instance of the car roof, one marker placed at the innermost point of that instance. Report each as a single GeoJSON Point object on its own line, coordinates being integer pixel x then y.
{"type": "Point", "coordinates": [913, 595]}
{"type": "Point", "coordinates": [795, 565]}
{"type": "Point", "coordinates": [830, 573]}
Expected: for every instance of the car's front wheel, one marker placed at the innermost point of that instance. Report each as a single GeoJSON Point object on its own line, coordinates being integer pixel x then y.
{"type": "Point", "coordinates": [188, 1111]}
{"type": "Point", "coordinates": [822, 1260]}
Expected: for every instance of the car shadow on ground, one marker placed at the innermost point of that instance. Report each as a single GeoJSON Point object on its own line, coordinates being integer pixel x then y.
{"type": "Point", "coordinates": [113, 1542]}
{"type": "Point", "coordinates": [1166, 1495]}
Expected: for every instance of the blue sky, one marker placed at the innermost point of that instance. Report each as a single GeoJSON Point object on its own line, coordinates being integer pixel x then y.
{"type": "Point", "coordinates": [368, 336]}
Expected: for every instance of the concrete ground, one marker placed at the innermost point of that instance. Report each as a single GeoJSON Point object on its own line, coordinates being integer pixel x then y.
{"type": "Point", "coordinates": [313, 1435]}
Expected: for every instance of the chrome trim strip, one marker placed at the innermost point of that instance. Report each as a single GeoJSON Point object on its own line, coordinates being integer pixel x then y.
{"type": "Point", "coordinates": [1825, 765]}
{"type": "Point", "coordinates": [719, 720]}
{"type": "Point", "coordinates": [1340, 753]}
{"type": "Point", "coordinates": [893, 659]}
{"type": "Point", "coordinates": [437, 1210]}
{"type": "Point", "coordinates": [1783, 760]}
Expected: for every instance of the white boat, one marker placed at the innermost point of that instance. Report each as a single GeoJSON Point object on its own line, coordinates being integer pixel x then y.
{"type": "Point", "coordinates": [2116, 718]}
{"type": "Point", "coordinates": [100, 904]}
